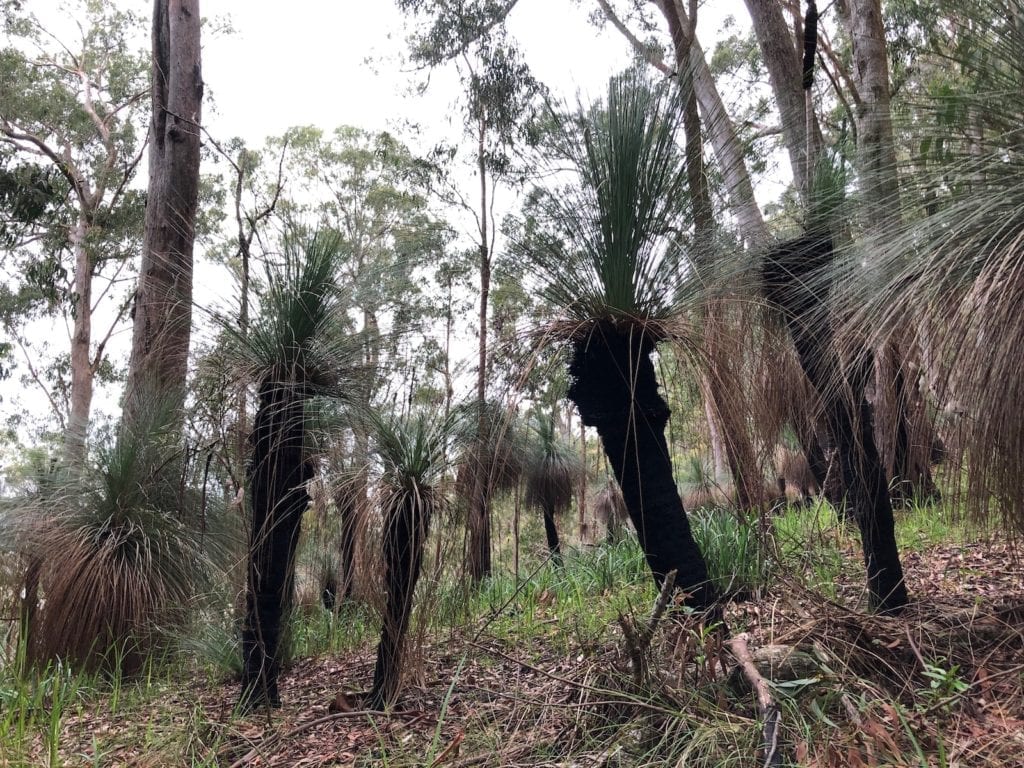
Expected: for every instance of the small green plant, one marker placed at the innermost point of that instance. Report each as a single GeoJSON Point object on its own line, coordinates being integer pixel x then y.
{"type": "Point", "coordinates": [944, 685]}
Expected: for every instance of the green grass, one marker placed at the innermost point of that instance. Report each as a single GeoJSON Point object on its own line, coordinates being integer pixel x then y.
{"type": "Point", "coordinates": [735, 556]}
{"type": "Point", "coordinates": [809, 543]}
{"type": "Point", "coordinates": [920, 526]}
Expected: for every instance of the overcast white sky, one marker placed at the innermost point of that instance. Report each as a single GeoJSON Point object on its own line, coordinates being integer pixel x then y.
{"type": "Point", "coordinates": [338, 63]}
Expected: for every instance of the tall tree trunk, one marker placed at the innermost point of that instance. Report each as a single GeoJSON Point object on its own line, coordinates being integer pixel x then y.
{"type": "Point", "coordinates": [405, 534]}
{"type": "Point", "coordinates": [781, 54]}
{"type": "Point", "coordinates": [723, 384]}
{"type": "Point", "coordinates": [81, 339]}
{"type": "Point", "coordinates": [791, 271]}
{"type": "Point", "coordinates": [630, 417]}
{"type": "Point", "coordinates": [277, 479]}
{"type": "Point", "coordinates": [163, 299]}
{"type": "Point", "coordinates": [479, 556]}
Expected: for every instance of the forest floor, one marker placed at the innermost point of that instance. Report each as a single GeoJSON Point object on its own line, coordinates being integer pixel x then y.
{"type": "Point", "coordinates": [540, 675]}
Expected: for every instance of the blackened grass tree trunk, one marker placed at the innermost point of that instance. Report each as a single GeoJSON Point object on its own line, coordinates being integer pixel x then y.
{"type": "Point", "coordinates": [616, 391]}
{"type": "Point", "coordinates": [277, 476]}
{"type": "Point", "coordinates": [798, 279]}
{"type": "Point", "coordinates": [609, 256]}
{"type": "Point", "coordinates": [795, 280]}
{"type": "Point", "coordinates": [297, 348]}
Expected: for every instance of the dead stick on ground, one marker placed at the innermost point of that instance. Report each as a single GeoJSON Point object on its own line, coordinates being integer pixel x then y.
{"type": "Point", "coordinates": [765, 703]}
{"type": "Point", "coordinates": [639, 641]}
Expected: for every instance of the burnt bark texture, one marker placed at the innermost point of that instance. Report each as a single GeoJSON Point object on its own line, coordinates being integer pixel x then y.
{"type": "Point", "coordinates": [551, 532]}
{"type": "Point", "coordinates": [791, 277]}
{"type": "Point", "coordinates": [406, 526]}
{"type": "Point", "coordinates": [278, 476]}
{"type": "Point", "coordinates": [163, 298]}
{"type": "Point", "coordinates": [616, 391]}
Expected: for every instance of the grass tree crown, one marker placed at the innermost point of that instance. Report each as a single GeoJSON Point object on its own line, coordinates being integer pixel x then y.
{"type": "Point", "coordinates": [608, 243]}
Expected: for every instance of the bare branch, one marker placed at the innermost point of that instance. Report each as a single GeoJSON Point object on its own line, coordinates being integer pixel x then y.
{"type": "Point", "coordinates": [57, 410]}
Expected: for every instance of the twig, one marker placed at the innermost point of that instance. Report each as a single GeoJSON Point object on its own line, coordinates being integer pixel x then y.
{"type": "Point", "coordinates": [451, 750]}
{"type": "Point", "coordinates": [765, 703]}
{"type": "Point", "coordinates": [639, 642]}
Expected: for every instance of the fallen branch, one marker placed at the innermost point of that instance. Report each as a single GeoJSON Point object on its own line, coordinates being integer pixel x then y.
{"type": "Point", "coordinates": [452, 750]}
{"type": "Point", "coordinates": [766, 705]}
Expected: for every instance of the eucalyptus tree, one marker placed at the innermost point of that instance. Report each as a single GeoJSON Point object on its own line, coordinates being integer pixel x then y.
{"type": "Point", "coordinates": [74, 111]}
{"type": "Point", "coordinates": [162, 307]}
{"type": "Point", "coordinates": [372, 191]}
{"type": "Point", "coordinates": [613, 267]}
{"type": "Point", "coordinates": [298, 347]}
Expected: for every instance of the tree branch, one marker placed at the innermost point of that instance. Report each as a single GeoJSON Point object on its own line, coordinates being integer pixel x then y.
{"type": "Point", "coordinates": [765, 703]}
{"type": "Point", "coordinates": [57, 410]}
{"type": "Point", "coordinates": [18, 139]}
{"type": "Point", "coordinates": [651, 55]}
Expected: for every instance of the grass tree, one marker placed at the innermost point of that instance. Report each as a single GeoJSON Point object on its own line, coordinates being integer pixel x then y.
{"type": "Point", "coordinates": [122, 550]}
{"type": "Point", "coordinates": [955, 275]}
{"type": "Point", "coordinates": [612, 262]}
{"type": "Point", "coordinates": [412, 452]}
{"type": "Point", "coordinates": [552, 474]}
{"type": "Point", "coordinates": [297, 348]}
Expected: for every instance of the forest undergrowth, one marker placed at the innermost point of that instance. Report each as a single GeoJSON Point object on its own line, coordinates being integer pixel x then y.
{"type": "Point", "coordinates": [549, 671]}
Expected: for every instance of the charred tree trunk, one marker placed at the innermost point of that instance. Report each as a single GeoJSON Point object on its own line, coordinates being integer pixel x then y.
{"type": "Point", "coordinates": [405, 534]}
{"type": "Point", "coordinates": [791, 272]}
{"type": "Point", "coordinates": [479, 555]}
{"type": "Point", "coordinates": [616, 391]}
{"type": "Point", "coordinates": [278, 475]}
{"type": "Point", "coordinates": [163, 299]}
{"type": "Point", "coordinates": [551, 532]}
